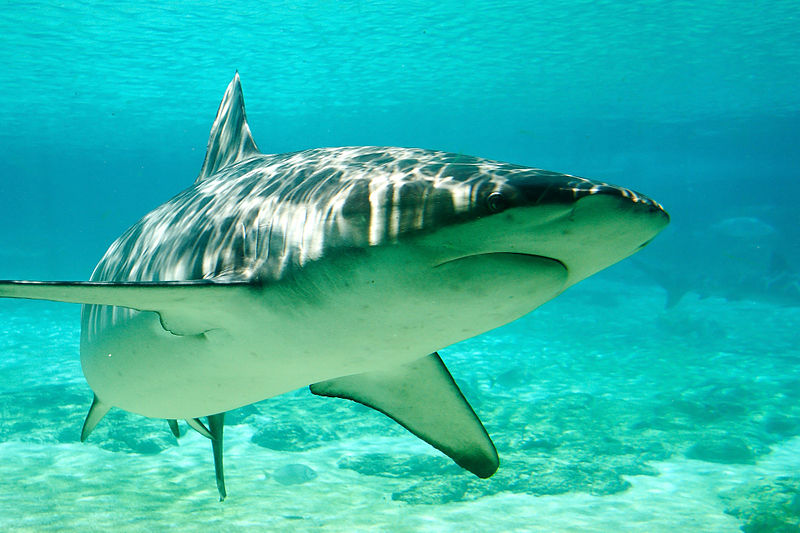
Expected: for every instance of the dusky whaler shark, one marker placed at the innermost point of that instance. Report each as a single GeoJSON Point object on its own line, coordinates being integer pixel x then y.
{"type": "Point", "coordinates": [343, 268]}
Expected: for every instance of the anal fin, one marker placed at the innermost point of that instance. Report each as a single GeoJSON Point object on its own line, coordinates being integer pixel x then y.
{"type": "Point", "coordinates": [173, 427]}
{"type": "Point", "coordinates": [424, 399]}
{"type": "Point", "coordinates": [198, 426]}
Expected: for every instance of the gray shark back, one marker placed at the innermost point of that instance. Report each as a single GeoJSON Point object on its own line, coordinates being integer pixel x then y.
{"type": "Point", "coordinates": [259, 218]}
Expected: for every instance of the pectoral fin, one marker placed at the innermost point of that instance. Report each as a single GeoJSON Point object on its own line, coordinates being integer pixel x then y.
{"type": "Point", "coordinates": [424, 399]}
{"type": "Point", "coordinates": [182, 305]}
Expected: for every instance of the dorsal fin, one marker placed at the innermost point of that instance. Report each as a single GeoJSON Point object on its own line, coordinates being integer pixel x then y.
{"type": "Point", "coordinates": [230, 139]}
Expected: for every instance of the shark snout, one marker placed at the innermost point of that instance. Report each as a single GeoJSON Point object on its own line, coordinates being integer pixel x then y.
{"type": "Point", "coordinates": [634, 197]}
{"type": "Point", "coordinates": [583, 224]}
{"type": "Point", "coordinates": [552, 188]}
{"type": "Point", "coordinates": [607, 224]}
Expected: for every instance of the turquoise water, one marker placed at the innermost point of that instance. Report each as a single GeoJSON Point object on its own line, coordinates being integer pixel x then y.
{"type": "Point", "coordinates": [675, 405]}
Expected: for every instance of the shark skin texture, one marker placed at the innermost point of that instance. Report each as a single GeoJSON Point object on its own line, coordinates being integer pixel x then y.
{"type": "Point", "coordinates": [343, 269]}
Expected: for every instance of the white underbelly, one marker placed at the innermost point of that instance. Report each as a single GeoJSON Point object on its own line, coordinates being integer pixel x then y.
{"type": "Point", "coordinates": [291, 337]}
{"type": "Point", "coordinates": [138, 366]}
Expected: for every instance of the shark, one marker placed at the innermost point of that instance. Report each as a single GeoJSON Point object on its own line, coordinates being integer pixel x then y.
{"type": "Point", "coordinates": [343, 269]}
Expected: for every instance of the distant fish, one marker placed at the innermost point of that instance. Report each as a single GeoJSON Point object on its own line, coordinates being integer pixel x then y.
{"type": "Point", "coordinates": [779, 284]}
{"type": "Point", "coordinates": [519, 376]}
{"type": "Point", "coordinates": [744, 228]}
{"type": "Point", "coordinates": [293, 474]}
{"type": "Point", "coordinates": [339, 267]}
{"type": "Point", "coordinates": [675, 282]}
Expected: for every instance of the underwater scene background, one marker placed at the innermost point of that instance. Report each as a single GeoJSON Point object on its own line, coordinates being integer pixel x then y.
{"type": "Point", "coordinates": [663, 394]}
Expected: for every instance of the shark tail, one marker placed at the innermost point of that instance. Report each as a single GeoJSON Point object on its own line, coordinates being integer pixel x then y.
{"type": "Point", "coordinates": [216, 424]}
{"type": "Point", "coordinates": [213, 432]}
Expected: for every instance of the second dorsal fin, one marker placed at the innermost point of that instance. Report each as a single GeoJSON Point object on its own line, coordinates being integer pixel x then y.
{"type": "Point", "coordinates": [230, 140]}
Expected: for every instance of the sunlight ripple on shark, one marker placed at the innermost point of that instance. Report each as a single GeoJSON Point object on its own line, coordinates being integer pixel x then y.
{"type": "Point", "coordinates": [343, 268]}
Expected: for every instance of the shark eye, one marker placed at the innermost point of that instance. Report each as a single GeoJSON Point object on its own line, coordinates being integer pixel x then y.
{"type": "Point", "coordinates": [496, 202]}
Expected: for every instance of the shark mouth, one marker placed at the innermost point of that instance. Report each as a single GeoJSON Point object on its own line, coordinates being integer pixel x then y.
{"type": "Point", "coordinates": [535, 260]}
{"type": "Point", "coordinates": [506, 276]}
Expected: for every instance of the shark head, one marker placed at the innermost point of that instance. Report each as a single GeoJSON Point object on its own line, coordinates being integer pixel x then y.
{"type": "Point", "coordinates": [583, 225]}
{"type": "Point", "coordinates": [452, 246]}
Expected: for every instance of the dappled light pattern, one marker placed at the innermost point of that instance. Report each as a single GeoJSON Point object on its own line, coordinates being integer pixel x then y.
{"type": "Point", "coordinates": [269, 215]}
{"type": "Point", "coordinates": [261, 217]}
